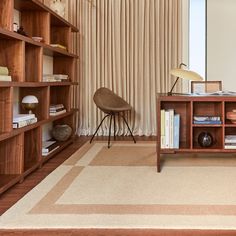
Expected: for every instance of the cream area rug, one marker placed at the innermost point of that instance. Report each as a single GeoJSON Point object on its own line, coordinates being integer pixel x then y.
{"type": "Point", "coordinates": [120, 188]}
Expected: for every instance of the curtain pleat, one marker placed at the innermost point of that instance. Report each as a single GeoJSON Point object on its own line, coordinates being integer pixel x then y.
{"type": "Point", "coordinates": [128, 46]}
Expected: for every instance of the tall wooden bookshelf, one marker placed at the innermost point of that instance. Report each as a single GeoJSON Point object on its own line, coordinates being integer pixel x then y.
{"type": "Point", "coordinates": [20, 149]}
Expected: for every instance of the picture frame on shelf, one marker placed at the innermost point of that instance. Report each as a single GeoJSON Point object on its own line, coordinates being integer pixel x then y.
{"type": "Point", "coordinates": [206, 86]}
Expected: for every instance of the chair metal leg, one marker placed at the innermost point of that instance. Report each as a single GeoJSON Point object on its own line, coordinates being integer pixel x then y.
{"type": "Point", "coordinates": [98, 127]}
{"type": "Point", "coordinates": [128, 128]}
{"type": "Point", "coordinates": [114, 117]}
{"type": "Point", "coordinates": [109, 132]}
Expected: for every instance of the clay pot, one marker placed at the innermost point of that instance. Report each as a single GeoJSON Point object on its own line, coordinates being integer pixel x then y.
{"type": "Point", "coordinates": [61, 132]}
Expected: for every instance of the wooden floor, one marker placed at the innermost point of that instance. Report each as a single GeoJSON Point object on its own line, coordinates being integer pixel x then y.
{"type": "Point", "coordinates": [15, 193]}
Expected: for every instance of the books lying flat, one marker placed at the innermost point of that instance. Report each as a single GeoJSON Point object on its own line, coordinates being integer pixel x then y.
{"type": "Point", "coordinates": [207, 122]}
{"type": "Point", "coordinates": [57, 45]}
{"type": "Point", "coordinates": [57, 113]}
{"type": "Point", "coordinates": [206, 118]}
{"type": "Point", "coordinates": [23, 123]}
{"type": "Point", "coordinates": [47, 153]}
{"type": "Point", "coordinates": [5, 78]}
{"type": "Point", "coordinates": [54, 77]}
{"type": "Point", "coordinates": [4, 70]}
{"type": "Point", "coordinates": [49, 146]}
{"type": "Point", "coordinates": [21, 117]}
{"type": "Point", "coordinates": [230, 146]}
{"type": "Point", "coordinates": [230, 139]}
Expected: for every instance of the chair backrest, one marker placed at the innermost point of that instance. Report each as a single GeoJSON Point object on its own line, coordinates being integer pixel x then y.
{"type": "Point", "coordinates": [109, 102]}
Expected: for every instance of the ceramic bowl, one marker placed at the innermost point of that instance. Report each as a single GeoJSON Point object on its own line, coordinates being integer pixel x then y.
{"type": "Point", "coordinates": [231, 115]}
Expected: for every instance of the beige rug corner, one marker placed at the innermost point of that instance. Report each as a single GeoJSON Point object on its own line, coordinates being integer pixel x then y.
{"type": "Point", "coordinates": [120, 188]}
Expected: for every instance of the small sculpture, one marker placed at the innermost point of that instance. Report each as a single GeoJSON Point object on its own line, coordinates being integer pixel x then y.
{"type": "Point", "coordinates": [205, 139]}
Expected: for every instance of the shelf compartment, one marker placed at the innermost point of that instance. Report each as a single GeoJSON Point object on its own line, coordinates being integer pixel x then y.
{"type": "Point", "coordinates": [11, 161]}
{"type": "Point", "coordinates": [12, 56]}
{"type": "Point", "coordinates": [33, 63]}
{"type": "Point", "coordinates": [217, 135]}
{"type": "Point", "coordinates": [36, 24]}
{"type": "Point", "coordinates": [229, 106]}
{"type": "Point", "coordinates": [6, 109]}
{"type": "Point", "coordinates": [183, 108]}
{"type": "Point", "coordinates": [62, 36]}
{"type": "Point", "coordinates": [62, 145]}
{"type": "Point", "coordinates": [66, 120]}
{"type": "Point", "coordinates": [61, 95]}
{"type": "Point", "coordinates": [214, 108]}
{"type": "Point", "coordinates": [64, 65]}
{"type": "Point", "coordinates": [32, 149]}
{"type": "Point", "coordinates": [42, 93]}
{"type": "Point", "coordinates": [6, 13]}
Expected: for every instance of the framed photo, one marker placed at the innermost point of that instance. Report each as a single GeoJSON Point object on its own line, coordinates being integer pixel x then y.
{"type": "Point", "coordinates": [205, 86]}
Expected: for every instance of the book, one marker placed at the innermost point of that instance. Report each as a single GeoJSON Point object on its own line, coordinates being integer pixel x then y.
{"type": "Point", "coordinates": [56, 105]}
{"type": "Point", "coordinates": [56, 110]}
{"type": "Point", "coordinates": [5, 78]}
{"type": "Point", "coordinates": [4, 70]}
{"type": "Point", "coordinates": [167, 129]}
{"type": "Point", "coordinates": [21, 117]}
{"type": "Point", "coordinates": [171, 129]}
{"type": "Point", "coordinates": [57, 113]}
{"type": "Point", "coordinates": [162, 128]}
{"type": "Point", "coordinates": [230, 146]}
{"type": "Point", "coordinates": [230, 138]}
{"type": "Point", "coordinates": [207, 122]}
{"type": "Point", "coordinates": [51, 145]}
{"type": "Point", "coordinates": [47, 153]}
{"type": "Point", "coordinates": [176, 130]}
{"type": "Point", "coordinates": [23, 123]}
{"type": "Point", "coordinates": [206, 118]}
{"type": "Point", "coordinates": [57, 45]}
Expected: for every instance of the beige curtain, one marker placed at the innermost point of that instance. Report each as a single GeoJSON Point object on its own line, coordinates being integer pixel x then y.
{"type": "Point", "coordinates": [128, 46]}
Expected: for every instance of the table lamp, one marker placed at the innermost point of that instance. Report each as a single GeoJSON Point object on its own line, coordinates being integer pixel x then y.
{"type": "Point", "coordinates": [184, 74]}
{"type": "Point", "coordinates": [29, 103]}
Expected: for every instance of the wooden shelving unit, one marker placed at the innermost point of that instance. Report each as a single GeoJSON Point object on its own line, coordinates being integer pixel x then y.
{"type": "Point", "coordinates": [188, 107]}
{"type": "Point", "coordinates": [21, 149]}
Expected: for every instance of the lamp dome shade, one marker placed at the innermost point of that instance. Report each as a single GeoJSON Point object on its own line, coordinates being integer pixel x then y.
{"type": "Point", "coordinates": [186, 74]}
{"type": "Point", "coordinates": [30, 99]}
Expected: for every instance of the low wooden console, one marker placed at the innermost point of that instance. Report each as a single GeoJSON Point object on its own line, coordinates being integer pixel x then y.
{"type": "Point", "coordinates": [189, 107]}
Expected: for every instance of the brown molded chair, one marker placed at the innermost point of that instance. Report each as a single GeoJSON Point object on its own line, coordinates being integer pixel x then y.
{"type": "Point", "coordinates": [112, 105]}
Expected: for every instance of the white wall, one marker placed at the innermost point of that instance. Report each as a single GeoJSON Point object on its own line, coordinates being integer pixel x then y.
{"type": "Point", "coordinates": [221, 42]}
{"type": "Point", "coordinates": [197, 36]}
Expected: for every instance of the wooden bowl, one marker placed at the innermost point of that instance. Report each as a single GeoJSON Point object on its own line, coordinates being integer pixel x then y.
{"type": "Point", "coordinates": [231, 115]}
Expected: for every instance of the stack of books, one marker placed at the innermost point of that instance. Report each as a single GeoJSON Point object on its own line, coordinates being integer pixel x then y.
{"type": "Point", "coordinates": [55, 77]}
{"type": "Point", "coordinates": [56, 109]}
{"type": "Point", "coordinates": [57, 45]}
{"type": "Point", "coordinates": [230, 141]}
{"type": "Point", "coordinates": [48, 147]}
{"type": "Point", "coordinates": [170, 127]}
{"type": "Point", "coordinates": [207, 120]}
{"type": "Point", "coordinates": [4, 74]}
{"type": "Point", "coordinates": [21, 120]}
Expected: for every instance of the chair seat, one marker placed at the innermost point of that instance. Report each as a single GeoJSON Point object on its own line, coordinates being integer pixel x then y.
{"type": "Point", "coordinates": [109, 102]}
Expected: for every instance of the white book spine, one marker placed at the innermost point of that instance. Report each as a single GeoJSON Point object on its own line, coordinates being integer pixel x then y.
{"type": "Point", "coordinates": [167, 129]}
{"type": "Point", "coordinates": [171, 130]}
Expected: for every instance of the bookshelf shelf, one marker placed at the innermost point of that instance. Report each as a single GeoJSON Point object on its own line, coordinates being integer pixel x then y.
{"type": "Point", "coordinates": [188, 107]}
{"type": "Point", "coordinates": [21, 148]}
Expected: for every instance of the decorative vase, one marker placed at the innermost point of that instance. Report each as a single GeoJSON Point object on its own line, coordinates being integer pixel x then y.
{"type": "Point", "coordinates": [61, 132]}
{"type": "Point", "coordinates": [205, 139]}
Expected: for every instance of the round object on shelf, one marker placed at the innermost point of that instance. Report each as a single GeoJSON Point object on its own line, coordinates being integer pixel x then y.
{"type": "Point", "coordinates": [29, 103]}
{"type": "Point", "coordinates": [205, 139]}
{"type": "Point", "coordinates": [61, 132]}
{"type": "Point", "coordinates": [231, 115]}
